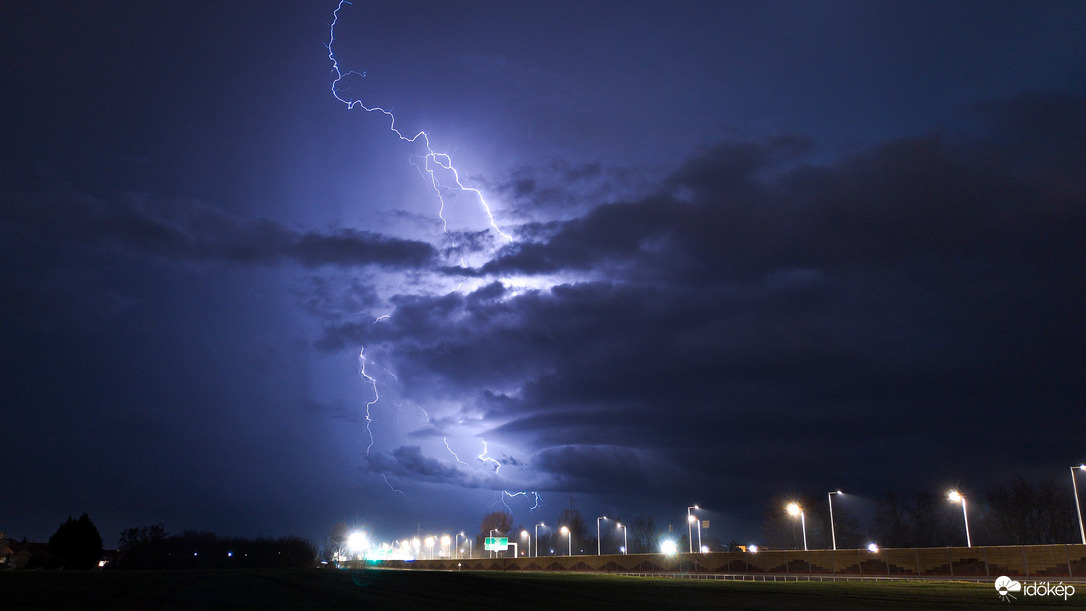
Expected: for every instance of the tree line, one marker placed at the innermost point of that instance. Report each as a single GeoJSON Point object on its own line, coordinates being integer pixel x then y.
{"type": "Point", "coordinates": [151, 547]}
{"type": "Point", "coordinates": [77, 545]}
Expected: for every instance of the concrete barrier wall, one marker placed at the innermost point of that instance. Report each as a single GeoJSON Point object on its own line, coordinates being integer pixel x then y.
{"type": "Point", "coordinates": [1028, 561]}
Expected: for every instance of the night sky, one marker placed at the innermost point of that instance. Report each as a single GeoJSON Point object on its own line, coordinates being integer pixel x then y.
{"type": "Point", "coordinates": [758, 249]}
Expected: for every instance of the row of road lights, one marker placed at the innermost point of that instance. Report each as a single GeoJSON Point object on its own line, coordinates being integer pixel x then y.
{"type": "Point", "coordinates": [794, 509]}
{"type": "Point", "coordinates": [956, 497]}
{"type": "Point", "coordinates": [953, 496]}
{"type": "Point", "coordinates": [524, 534]}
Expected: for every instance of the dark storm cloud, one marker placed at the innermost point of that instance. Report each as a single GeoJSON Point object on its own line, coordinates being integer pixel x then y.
{"type": "Point", "coordinates": [561, 189]}
{"type": "Point", "coordinates": [193, 231]}
{"type": "Point", "coordinates": [409, 461]}
{"type": "Point", "coordinates": [757, 307]}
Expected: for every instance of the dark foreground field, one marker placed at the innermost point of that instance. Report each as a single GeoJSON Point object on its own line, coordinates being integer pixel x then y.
{"type": "Point", "coordinates": [375, 589]}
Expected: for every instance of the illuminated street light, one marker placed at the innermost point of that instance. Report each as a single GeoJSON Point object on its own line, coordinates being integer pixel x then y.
{"type": "Point", "coordinates": [357, 543]}
{"type": "Point", "coordinates": [430, 544]}
{"type": "Point", "coordinates": [871, 547]}
{"type": "Point", "coordinates": [833, 533]}
{"type": "Point", "coordinates": [1078, 507]}
{"type": "Point", "coordinates": [569, 538]}
{"type": "Point", "coordinates": [599, 540]}
{"type": "Point", "coordinates": [445, 541]}
{"type": "Point", "coordinates": [523, 534]}
{"type": "Point", "coordinates": [956, 497]}
{"type": "Point", "coordinates": [668, 547]}
{"type": "Point", "coordinates": [458, 535]}
{"type": "Point", "coordinates": [625, 543]}
{"type": "Point", "coordinates": [752, 548]}
{"type": "Point", "coordinates": [537, 537]}
{"type": "Point", "coordinates": [689, 522]}
{"type": "Point", "coordinates": [795, 510]}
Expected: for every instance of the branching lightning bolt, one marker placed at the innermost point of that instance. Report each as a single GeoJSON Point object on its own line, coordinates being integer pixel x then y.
{"type": "Point", "coordinates": [395, 489]}
{"type": "Point", "coordinates": [428, 166]}
{"type": "Point", "coordinates": [376, 397]}
{"type": "Point", "coordinates": [446, 440]}
{"type": "Point", "coordinates": [431, 160]}
{"type": "Point", "coordinates": [523, 493]}
{"type": "Point", "coordinates": [483, 457]}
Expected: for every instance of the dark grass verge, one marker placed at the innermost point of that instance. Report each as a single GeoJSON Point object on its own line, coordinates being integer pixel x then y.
{"type": "Point", "coordinates": [388, 589]}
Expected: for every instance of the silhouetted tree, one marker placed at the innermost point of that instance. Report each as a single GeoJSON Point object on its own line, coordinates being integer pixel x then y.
{"type": "Point", "coordinates": [499, 521]}
{"type": "Point", "coordinates": [142, 547]}
{"type": "Point", "coordinates": [577, 528]}
{"type": "Point", "coordinates": [77, 544]}
{"type": "Point", "coordinates": [890, 526]}
{"type": "Point", "coordinates": [1024, 514]}
{"type": "Point", "coordinates": [335, 546]}
{"type": "Point", "coordinates": [784, 531]}
{"type": "Point", "coordinates": [926, 521]}
{"type": "Point", "coordinates": [643, 535]}
{"type": "Point", "coordinates": [845, 526]}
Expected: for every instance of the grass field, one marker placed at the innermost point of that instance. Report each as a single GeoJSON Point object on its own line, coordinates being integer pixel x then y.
{"type": "Point", "coordinates": [376, 589]}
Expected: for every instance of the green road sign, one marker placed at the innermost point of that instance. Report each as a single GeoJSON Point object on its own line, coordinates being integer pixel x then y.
{"type": "Point", "coordinates": [498, 544]}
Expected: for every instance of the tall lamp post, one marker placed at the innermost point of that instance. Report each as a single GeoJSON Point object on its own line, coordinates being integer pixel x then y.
{"type": "Point", "coordinates": [956, 497]}
{"type": "Point", "coordinates": [1078, 507]}
{"type": "Point", "coordinates": [492, 531]}
{"type": "Point", "coordinates": [569, 538]}
{"type": "Point", "coordinates": [833, 533]}
{"type": "Point", "coordinates": [430, 544]}
{"type": "Point", "coordinates": [692, 519]}
{"type": "Point", "coordinates": [795, 510]}
{"type": "Point", "coordinates": [599, 540]}
{"type": "Point", "coordinates": [689, 524]}
{"type": "Point", "coordinates": [625, 543]}
{"type": "Point", "coordinates": [537, 537]}
{"type": "Point", "coordinates": [458, 535]}
{"type": "Point", "coordinates": [445, 541]}
{"type": "Point", "coordinates": [525, 533]}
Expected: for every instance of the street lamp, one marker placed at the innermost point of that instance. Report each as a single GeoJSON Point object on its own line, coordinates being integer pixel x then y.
{"type": "Point", "coordinates": [458, 535]}
{"type": "Point", "coordinates": [525, 533]}
{"type": "Point", "coordinates": [569, 538]}
{"type": "Point", "coordinates": [689, 523]}
{"type": "Point", "coordinates": [445, 540]}
{"type": "Point", "coordinates": [833, 533]}
{"type": "Point", "coordinates": [492, 531]}
{"type": "Point", "coordinates": [625, 543]}
{"type": "Point", "coordinates": [537, 537]}
{"type": "Point", "coordinates": [430, 544]}
{"type": "Point", "coordinates": [599, 540]}
{"type": "Point", "coordinates": [1078, 508]}
{"type": "Point", "coordinates": [956, 497]}
{"type": "Point", "coordinates": [691, 519]}
{"type": "Point", "coordinates": [357, 543]}
{"type": "Point", "coordinates": [795, 510]}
